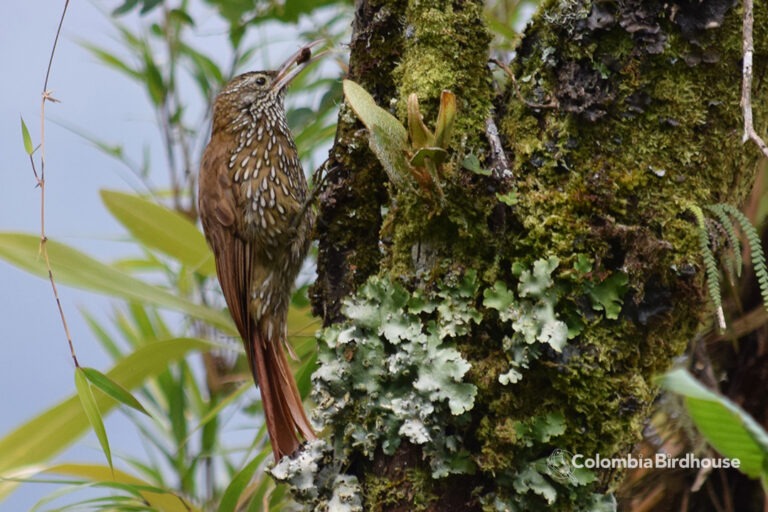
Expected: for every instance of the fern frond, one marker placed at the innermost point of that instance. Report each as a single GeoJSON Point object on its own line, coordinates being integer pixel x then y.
{"type": "Point", "coordinates": [733, 239]}
{"type": "Point", "coordinates": [710, 264]}
{"type": "Point", "coordinates": [755, 249]}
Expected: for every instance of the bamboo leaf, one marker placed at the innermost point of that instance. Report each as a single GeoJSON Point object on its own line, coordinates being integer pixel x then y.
{"type": "Point", "coordinates": [153, 79]}
{"type": "Point", "coordinates": [111, 60]}
{"type": "Point", "coordinates": [87, 400]}
{"type": "Point", "coordinates": [205, 66]}
{"type": "Point", "coordinates": [77, 269]}
{"type": "Point", "coordinates": [213, 413]}
{"type": "Point", "coordinates": [724, 424]}
{"type": "Point", "coordinates": [52, 431]}
{"type": "Point", "coordinates": [156, 498]}
{"type": "Point", "coordinates": [161, 228]}
{"type": "Point", "coordinates": [112, 389]}
{"type": "Point", "coordinates": [28, 147]}
{"type": "Point", "coordinates": [231, 496]}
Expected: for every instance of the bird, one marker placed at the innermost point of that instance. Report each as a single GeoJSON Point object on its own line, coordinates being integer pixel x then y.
{"type": "Point", "coordinates": [252, 202]}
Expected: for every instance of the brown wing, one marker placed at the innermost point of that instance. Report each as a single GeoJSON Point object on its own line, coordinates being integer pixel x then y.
{"type": "Point", "coordinates": [234, 256]}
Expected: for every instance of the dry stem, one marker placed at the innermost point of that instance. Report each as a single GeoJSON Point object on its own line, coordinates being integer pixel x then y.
{"type": "Point", "coordinates": [46, 96]}
{"type": "Point", "coordinates": [746, 85]}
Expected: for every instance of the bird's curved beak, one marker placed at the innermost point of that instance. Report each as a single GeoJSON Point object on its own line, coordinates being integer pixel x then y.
{"type": "Point", "coordinates": [294, 65]}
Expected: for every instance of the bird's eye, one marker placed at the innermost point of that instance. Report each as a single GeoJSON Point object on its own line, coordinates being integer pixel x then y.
{"type": "Point", "coordinates": [260, 80]}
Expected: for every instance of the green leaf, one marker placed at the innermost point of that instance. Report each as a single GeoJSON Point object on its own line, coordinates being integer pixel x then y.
{"type": "Point", "coordinates": [92, 412]}
{"type": "Point", "coordinates": [548, 426]}
{"type": "Point", "coordinates": [52, 431]}
{"type": "Point", "coordinates": [534, 283]}
{"type": "Point", "coordinates": [206, 71]}
{"type": "Point", "coordinates": [181, 16]}
{"type": "Point", "coordinates": [390, 154]}
{"type": "Point", "coordinates": [504, 29]}
{"type": "Point", "coordinates": [583, 264]}
{"type": "Point", "coordinates": [27, 139]}
{"type": "Point", "coordinates": [159, 499]}
{"type": "Point", "coordinates": [149, 5]}
{"type": "Point", "coordinates": [213, 412]}
{"type": "Point", "coordinates": [387, 137]}
{"type": "Point", "coordinates": [441, 376]}
{"type": "Point", "coordinates": [74, 268]}
{"type": "Point", "coordinates": [101, 334]}
{"type": "Point", "coordinates": [238, 484]}
{"type": "Point", "coordinates": [153, 79]}
{"type": "Point", "coordinates": [127, 6]}
{"type": "Point", "coordinates": [112, 388]}
{"type": "Point", "coordinates": [529, 479]}
{"type": "Point", "coordinates": [112, 61]}
{"type": "Point", "coordinates": [161, 228]}
{"type": "Point", "coordinates": [710, 264]}
{"type": "Point", "coordinates": [727, 427]}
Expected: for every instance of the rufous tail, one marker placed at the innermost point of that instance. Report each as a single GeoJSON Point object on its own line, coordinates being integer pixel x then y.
{"type": "Point", "coordinates": [283, 410]}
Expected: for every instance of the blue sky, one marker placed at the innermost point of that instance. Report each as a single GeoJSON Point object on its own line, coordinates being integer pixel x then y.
{"type": "Point", "coordinates": [35, 369]}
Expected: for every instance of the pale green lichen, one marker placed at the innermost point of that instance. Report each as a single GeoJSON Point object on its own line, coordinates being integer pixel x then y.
{"type": "Point", "coordinates": [315, 480]}
{"type": "Point", "coordinates": [552, 481]}
{"type": "Point", "coordinates": [396, 374]}
{"type": "Point", "coordinates": [608, 295]}
{"type": "Point", "coordinates": [392, 373]}
{"type": "Point", "coordinates": [300, 472]}
{"type": "Point", "coordinates": [346, 495]}
{"type": "Point", "coordinates": [532, 316]}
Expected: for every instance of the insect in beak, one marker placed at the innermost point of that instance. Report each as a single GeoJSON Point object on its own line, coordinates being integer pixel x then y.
{"type": "Point", "coordinates": [287, 72]}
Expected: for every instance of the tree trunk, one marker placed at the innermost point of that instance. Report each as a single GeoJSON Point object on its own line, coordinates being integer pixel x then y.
{"type": "Point", "coordinates": [518, 304]}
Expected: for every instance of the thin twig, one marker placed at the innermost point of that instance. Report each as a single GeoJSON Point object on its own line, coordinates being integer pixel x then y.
{"type": "Point", "coordinates": [46, 96]}
{"type": "Point", "coordinates": [746, 84]}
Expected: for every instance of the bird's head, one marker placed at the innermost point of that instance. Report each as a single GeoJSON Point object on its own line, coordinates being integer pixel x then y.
{"type": "Point", "coordinates": [256, 91]}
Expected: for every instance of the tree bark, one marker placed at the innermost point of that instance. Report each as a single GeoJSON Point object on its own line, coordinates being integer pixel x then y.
{"type": "Point", "coordinates": [619, 116]}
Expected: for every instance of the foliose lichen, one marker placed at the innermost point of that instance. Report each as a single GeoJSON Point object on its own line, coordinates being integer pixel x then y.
{"type": "Point", "coordinates": [316, 482]}
{"type": "Point", "coordinates": [532, 314]}
{"type": "Point", "coordinates": [392, 373]}
{"type": "Point", "coordinates": [396, 374]}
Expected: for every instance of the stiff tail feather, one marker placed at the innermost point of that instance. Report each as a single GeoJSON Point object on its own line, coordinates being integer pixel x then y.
{"type": "Point", "coordinates": [280, 396]}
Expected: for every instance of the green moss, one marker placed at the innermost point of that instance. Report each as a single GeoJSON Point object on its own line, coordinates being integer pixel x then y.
{"type": "Point", "coordinates": [646, 154]}
{"type": "Point", "coordinates": [350, 211]}
{"type": "Point", "coordinates": [446, 47]}
{"type": "Point", "coordinates": [615, 189]}
{"type": "Point", "coordinates": [410, 488]}
{"type": "Point", "coordinates": [426, 234]}
{"type": "Point", "coordinates": [605, 176]}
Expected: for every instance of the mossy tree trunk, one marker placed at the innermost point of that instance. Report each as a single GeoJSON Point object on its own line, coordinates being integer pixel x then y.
{"type": "Point", "coordinates": [523, 304]}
